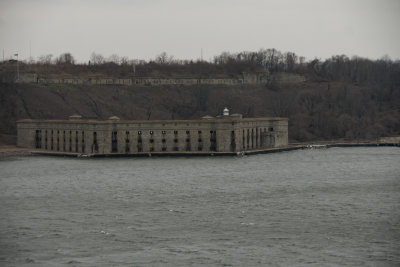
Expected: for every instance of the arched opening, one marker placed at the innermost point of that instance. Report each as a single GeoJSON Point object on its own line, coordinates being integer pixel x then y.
{"type": "Point", "coordinates": [213, 140]}
{"type": "Point", "coordinates": [233, 141]}
{"type": "Point", "coordinates": [127, 142]}
{"type": "Point", "coordinates": [38, 139]}
{"type": "Point", "coordinates": [139, 142]}
{"type": "Point", "coordinates": [114, 141]}
{"type": "Point", "coordinates": [95, 145]}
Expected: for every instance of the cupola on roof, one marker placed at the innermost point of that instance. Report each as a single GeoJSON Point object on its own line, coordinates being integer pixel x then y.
{"type": "Point", "coordinates": [226, 111]}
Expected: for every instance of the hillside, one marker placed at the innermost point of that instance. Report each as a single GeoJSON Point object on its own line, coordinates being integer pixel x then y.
{"type": "Point", "coordinates": [317, 110]}
{"type": "Point", "coordinates": [339, 98]}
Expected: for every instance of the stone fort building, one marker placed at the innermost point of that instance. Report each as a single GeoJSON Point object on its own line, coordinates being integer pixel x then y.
{"type": "Point", "coordinates": [224, 134]}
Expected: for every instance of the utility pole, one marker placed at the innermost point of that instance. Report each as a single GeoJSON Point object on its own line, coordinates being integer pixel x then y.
{"type": "Point", "coordinates": [201, 55]}
{"type": "Point", "coordinates": [17, 67]}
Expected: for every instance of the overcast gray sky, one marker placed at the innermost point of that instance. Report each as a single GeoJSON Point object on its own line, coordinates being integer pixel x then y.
{"type": "Point", "coordinates": [141, 29]}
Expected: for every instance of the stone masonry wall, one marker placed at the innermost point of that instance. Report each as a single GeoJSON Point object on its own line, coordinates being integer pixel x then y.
{"type": "Point", "coordinates": [245, 78]}
{"type": "Point", "coordinates": [131, 137]}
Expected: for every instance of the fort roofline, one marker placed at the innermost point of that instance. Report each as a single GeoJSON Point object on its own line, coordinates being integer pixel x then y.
{"type": "Point", "coordinates": [107, 121]}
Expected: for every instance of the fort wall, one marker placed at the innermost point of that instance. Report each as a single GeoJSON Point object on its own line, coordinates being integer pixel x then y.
{"type": "Point", "coordinates": [226, 134]}
{"type": "Point", "coordinates": [245, 78]}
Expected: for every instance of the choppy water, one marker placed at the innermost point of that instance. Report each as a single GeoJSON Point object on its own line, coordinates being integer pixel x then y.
{"type": "Point", "coordinates": [328, 207]}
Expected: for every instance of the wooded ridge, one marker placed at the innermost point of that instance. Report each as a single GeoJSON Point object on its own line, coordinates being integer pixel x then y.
{"type": "Point", "coordinates": [339, 98]}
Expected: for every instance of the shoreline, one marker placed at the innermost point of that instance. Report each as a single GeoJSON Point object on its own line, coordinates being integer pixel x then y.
{"type": "Point", "coordinates": [8, 151]}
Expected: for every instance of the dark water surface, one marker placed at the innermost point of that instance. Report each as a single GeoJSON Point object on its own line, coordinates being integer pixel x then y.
{"type": "Point", "coordinates": [325, 207]}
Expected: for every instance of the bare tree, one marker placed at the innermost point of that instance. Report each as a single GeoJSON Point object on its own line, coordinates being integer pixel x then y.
{"type": "Point", "coordinates": [164, 58]}
{"type": "Point", "coordinates": [290, 59]}
{"type": "Point", "coordinates": [223, 58]}
{"type": "Point", "coordinates": [114, 58]}
{"type": "Point", "coordinates": [273, 58]}
{"type": "Point", "coordinates": [45, 59]}
{"type": "Point", "coordinates": [65, 58]}
{"type": "Point", "coordinates": [96, 59]}
{"type": "Point", "coordinates": [124, 60]}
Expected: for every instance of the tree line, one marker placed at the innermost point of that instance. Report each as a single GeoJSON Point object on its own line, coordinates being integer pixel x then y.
{"type": "Point", "coordinates": [339, 67]}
